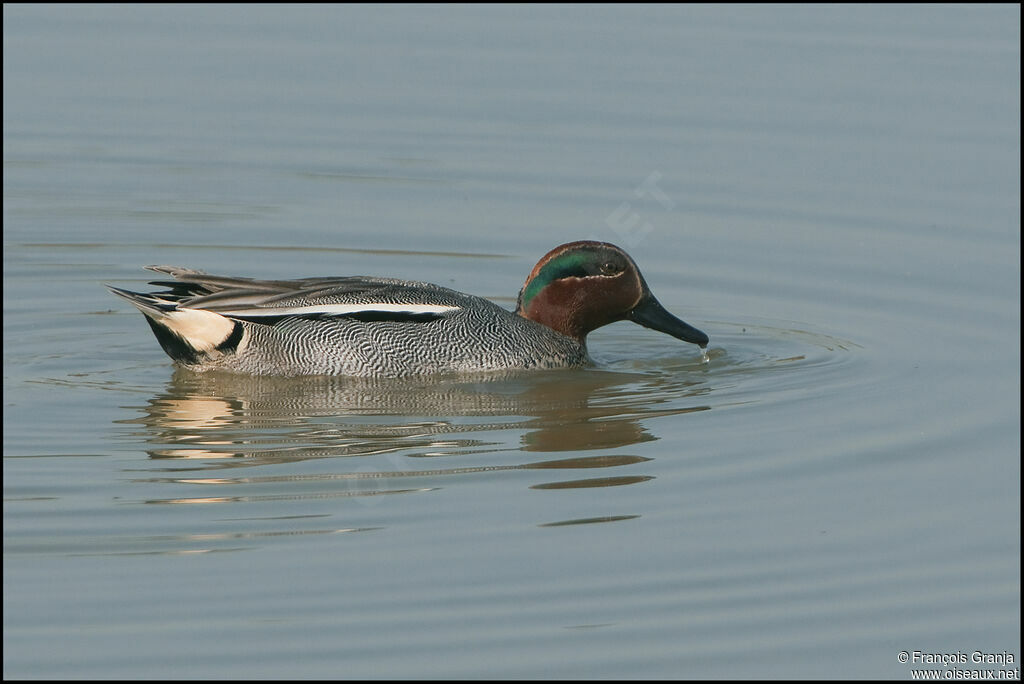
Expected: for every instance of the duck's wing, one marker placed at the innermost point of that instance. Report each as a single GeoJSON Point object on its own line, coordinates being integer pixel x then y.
{"type": "Point", "coordinates": [268, 301]}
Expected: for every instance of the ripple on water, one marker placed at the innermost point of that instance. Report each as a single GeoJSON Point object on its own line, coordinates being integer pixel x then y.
{"type": "Point", "coordinates": [350, 438]}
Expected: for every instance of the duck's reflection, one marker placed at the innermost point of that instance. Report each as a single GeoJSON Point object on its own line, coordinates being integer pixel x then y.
{"type": "Point", "coordinates": [206, 421]}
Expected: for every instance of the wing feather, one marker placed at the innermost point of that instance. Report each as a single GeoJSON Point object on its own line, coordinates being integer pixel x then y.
{"type": "Point", "coordinates": [271, 300]}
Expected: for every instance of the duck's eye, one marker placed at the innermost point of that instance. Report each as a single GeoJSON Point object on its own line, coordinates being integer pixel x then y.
{"type": "Point", "coordinates": [610, 268]}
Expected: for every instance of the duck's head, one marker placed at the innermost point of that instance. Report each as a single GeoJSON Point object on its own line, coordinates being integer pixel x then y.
{"type": "Point", "coordinates": [580, 286]}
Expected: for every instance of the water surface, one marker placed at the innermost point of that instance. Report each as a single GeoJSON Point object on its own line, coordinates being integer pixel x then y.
{"type": "Point", "coordinates": [831, 193]}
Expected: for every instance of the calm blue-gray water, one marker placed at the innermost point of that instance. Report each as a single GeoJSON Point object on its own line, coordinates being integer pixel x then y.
{"type": "Point", "coordinates": [832, 193]}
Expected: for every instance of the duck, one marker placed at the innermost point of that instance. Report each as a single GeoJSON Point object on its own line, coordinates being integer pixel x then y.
{"type": "Point", "coordinates": [388, 328]}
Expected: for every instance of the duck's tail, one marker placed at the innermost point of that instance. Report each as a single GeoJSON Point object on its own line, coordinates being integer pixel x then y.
{"type": "Point", "coordinates": [189, 336]}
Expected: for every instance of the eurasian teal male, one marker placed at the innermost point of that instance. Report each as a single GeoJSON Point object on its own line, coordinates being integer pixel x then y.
{"type": "Point", "coordinates": [381, 327]}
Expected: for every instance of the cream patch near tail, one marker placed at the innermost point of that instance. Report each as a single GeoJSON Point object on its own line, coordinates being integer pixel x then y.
{"type": "Point", "coordinates": [204, 331]}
